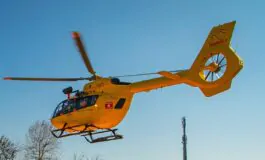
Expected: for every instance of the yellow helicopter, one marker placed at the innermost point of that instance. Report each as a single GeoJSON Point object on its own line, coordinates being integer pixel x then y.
{"type": "Point", "coordinates": [104, 101]}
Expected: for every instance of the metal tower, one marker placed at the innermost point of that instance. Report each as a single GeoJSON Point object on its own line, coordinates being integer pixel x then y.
{"type": "Point", "coordinates": [184, 139]}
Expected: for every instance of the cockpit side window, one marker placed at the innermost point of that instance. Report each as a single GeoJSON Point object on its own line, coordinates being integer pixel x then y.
{"type": "Point", "coordinates": [68, 106]}
{"type": "Point", "coordinates": [88, 101]}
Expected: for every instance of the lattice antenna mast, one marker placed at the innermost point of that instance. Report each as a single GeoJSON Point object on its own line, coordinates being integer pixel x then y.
{"type": "Point", "coordinates": [184, 139]}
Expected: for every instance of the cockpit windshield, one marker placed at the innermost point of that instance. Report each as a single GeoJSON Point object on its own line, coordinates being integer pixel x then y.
{"type": "Point", "coordinates": [70, 105]}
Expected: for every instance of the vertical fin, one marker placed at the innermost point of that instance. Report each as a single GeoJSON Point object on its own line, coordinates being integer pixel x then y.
{"type": "Point", "coordinates": [217, 63]}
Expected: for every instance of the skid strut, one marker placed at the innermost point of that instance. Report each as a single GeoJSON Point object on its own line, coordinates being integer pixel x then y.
{"type": "Point", "coordinates": [88, 135]}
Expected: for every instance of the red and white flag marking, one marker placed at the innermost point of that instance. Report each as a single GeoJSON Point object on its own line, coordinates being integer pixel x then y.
{"type": "Point", "coordinates": [108, 105]}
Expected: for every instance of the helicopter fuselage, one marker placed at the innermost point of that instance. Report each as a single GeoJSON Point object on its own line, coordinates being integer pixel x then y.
{"type": "Point", "coordinates": [111, 106]}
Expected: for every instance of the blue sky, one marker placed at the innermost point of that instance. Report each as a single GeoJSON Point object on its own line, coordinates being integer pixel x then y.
{"type": "Point", "coordinates": [126, 37]}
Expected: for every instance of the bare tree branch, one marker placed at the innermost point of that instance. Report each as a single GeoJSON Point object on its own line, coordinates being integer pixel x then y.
{"type": "Point", "coordinates": [84, 157]}
{"type": "Point", "coordinates": [40, 143]}
{"type": "Point", "coordinates": [8, 150]}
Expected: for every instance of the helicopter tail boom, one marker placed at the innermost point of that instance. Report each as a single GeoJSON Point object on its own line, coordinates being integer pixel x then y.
{"type": "Point", "coordinates": [212, 71]}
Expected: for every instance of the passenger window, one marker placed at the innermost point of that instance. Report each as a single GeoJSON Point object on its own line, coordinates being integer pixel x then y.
{"type": "Point", "coordinates": [77, 104]}
{"type": "Point", "coordinates": [88, 101]}
{"type": "Point", "coordinates": [120, 103]}
{"type": "Point", "coordinates": [93, 100]}
{"type": "Point", "coordinates": [83, 102]}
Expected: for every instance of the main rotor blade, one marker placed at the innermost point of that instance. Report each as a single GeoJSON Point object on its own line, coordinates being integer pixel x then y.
{"type": "Point", "coordinates": [144, 74]}
{"type": "Point", "coordinates": [44, 79]}
{"type": "Point", "coordinates": [78, 41]}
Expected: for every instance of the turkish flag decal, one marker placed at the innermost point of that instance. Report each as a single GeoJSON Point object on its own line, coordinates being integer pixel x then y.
{"type": "Point", "coordinates": [109, 105]}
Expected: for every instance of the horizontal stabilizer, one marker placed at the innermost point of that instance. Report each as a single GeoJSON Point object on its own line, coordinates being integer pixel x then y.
{"type": "Point", "coordinates": [169, 75]}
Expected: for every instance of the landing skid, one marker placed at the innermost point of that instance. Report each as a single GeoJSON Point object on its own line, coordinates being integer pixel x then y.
{"type": "Point", "coordinates": [88, 135]}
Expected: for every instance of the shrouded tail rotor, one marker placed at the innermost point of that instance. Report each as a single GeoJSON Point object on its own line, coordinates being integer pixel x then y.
{"type": "Point", "coordinates": [217, 63]}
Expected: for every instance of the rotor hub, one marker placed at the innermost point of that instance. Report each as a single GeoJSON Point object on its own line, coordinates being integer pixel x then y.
{"type": "Point", "coordinates": [214, 67]}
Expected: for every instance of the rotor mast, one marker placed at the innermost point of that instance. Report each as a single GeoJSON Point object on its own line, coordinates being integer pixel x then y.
{"type": "Point", "coordinates": [184, 139]}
